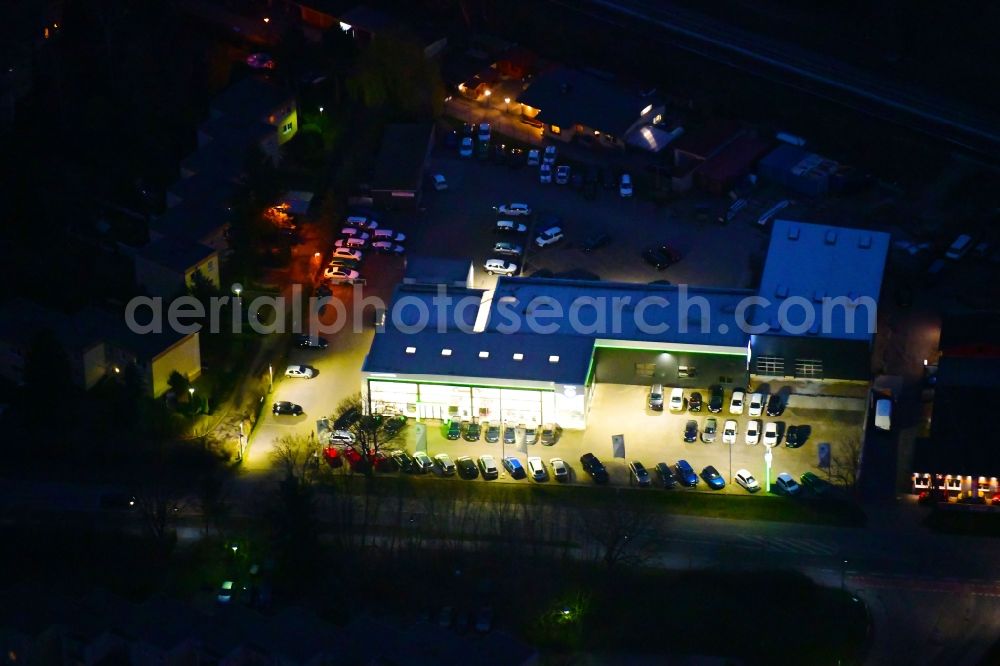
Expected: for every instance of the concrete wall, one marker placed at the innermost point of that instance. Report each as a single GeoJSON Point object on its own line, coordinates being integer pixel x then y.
{"type": "Point", "coordinates": [618, 366]}
{"type": "Point", "coordinates": [842, 359]}
{"type": "Point", "coordinates": [184, 357]}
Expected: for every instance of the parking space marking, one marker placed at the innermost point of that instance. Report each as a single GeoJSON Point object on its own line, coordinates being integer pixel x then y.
{"type": "Point", "coordinates": [788, 544]}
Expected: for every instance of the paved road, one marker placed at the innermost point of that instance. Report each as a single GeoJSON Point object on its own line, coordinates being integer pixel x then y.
{"type": "Point", "coordinates": [816, 74]}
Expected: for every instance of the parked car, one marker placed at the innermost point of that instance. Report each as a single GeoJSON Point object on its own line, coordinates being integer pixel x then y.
{"type": "Point", "coordinates": [445, 464]}
{"type": "Point", "coordinates": [515, 158]}
{"type": "Point", "coordinates": [361, 221]}
{"type": "Point", "coordinates": [514, 209]}
{"type": "Point", "coordinates": [816, 485]}
{"type": "Point", "coordinates": [545, 174]}
{"type": "Point", "coordinates": [756, 405]}
{"type": "Point", "coordinates": [506, 226]}
{"type": "Point", "coordinates": [452, 430]}
{"type": "Point", "coordinates": [300, 372]}
{"type": "Point", "coordinates": [509, 435]}
{"type": "Point", "coordinates": [534, 157]}
{"type": "Point", "coordinates": [745, 478]}
{"type": "Point", "coordinates": [770, 434]}
{"type": "Point", "coordinates": [499, 266]}
{"type": "Point", "coordinates": [514, 467]}
{"type": "Point", "coordinates": [691, 431]}
{"type": "Point", "coordinates": [660, 257]}
{"type": "Point", "coordinates": [549, 156]}
{"type": "Point", "coordinates": [753, 432]}
{"type": "Point", "coordinates": [352, 242]}
{"type": "Point", "coordinates": [471, 432]}
{"type": "Point", "coordinates": [594, 467]}
{"type": "Point", "coordinates": [729, 430]}
{"type": "Point", "coordinates": [655, 399]}
{"type": "Point", "coordinates": [346, 253]}
{"type": "Point", "coordinates": [786, 485]}
{"type": "Point", "coordinates": [638, 474]}
{"type": "Point", "coordinates": [560, 470]}
{"type": "Point", "coordinates": [492, 435]}
{"type": "Point", "coordinates": [536, 468]}
{"type": "Point", "coordinates": [794, 437]}
{"type": "Point", "coordinates": [531, 435]}
{"type": "Point", "coordinates": [775, 405]}
{"type": "Point", "coordinates": [715, 401]}
{"type": "Point", "coordinates": [484, 132]}
{"type": "Point", "coordinates": [736, 402]}
{"type": "Point", "coordinates": [595, 241]}
{"type": "Point", "coordinates": [303, 341]}
{"type": "Point", "coordinates": [550, 236]}
{"type": "Point", "coordinates": [225, 594]}
{"type": "Point", "coordinates": [508, 248]}
{"type": "Point", "coordinates": [341, 436]}
{"type": "Point", "coordinates": [665, 476]}
{"type": "Point", "coordinates": [694, 402]}
{"type": "Point", "coordinates": [387, 235]}
{"type": "Point", "coordinates": [285, 408]}
{"type": "Point", "coordinates": [388, 247]}
{"type": "Point", "coordinates": [488, 466]}
{"type": "Point", "coordinates": [708, 432]}
{"type": "Point", "coordinates": [677, 400]}
{"type": "Point", "coordinates": [713, 478]}
{"type": "Point", "coordinates": [354, 232]}
{"type": "Point", "coordinates": [685, 474]}
{"type": "Point", "coordinates": [550, 434]}
{"type": "Point", "coordinates": [404, 462]}
{"type": "Point", "coordinates": [625, 185]}
{"type": "Point", "coordinates": [466, 468]}
{"type": "Point", "coordinates": [340, 275]}
{"type": "Point", "coordinates": [562, 174]}
{"type": "Point", "coordinates": [465, 148]}
{"type": "Point", "coordinates": [423, 462]}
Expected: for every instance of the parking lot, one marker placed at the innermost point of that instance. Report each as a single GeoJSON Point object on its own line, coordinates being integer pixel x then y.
{"type": "Point", "coordinates": [460, 222]}
{"type": "Point", "coordinates": [657, 436]}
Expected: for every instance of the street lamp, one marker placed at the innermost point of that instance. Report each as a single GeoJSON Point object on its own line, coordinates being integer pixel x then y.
{"type": "Point", "coordinates": [237, 289]}
{"type": "Point", "coordinates": [486, 97]}
{"type": "Point", "coordinates": [191, 391]}
{"type": "Point", "coordinates": [270, 375]}
{"type": "Point", "coordinates": [768, 457]}
{"type": "Point", "coordinates": [506, 100]}
{"type": "Point", "coordinates": [321, 109]}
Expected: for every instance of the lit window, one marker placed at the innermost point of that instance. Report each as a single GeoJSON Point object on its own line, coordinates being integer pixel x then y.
{"type": "Point", "coordinates": [445, 352]}
{"type": "Point", "coordinates": [484, 354]}
{"type": "Point", "coordinates": [519, 356]}
{"type": "Point", "coordinates": [555, 129]}
{"type": "Point", "coordinates": [411, 350]}
{"type": "Point", "coordinates": [553, 359]}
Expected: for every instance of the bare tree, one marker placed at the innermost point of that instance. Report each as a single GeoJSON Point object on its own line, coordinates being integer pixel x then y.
{"type": "Point", "coordinates": [296, 456]}
{"type": "Point", "coordinates": [619, 533]}
{"type": "Point", "coordinates": [372, 432]}
{"type": "Point", "coordinates": [845, 462]}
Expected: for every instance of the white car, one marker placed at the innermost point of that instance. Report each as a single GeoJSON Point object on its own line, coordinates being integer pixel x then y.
{"type": "Point", "coordinates": [387, 235]}
{"type": "Point", "coordinates": [536, 468]}
{"type": "Point", "coordinates": [444, 462]}
{"type": "Point", "coordinates": [346, 253]}
{"type": "Point", "coordinates": [501, 267]}
{"type": "Point", "coordinates": [786, 484]}
{"type": "Point", "coordinates": [351, 242]}
{"type": "Point", "coordinates": [560, 471]}
{"type": "Point", "coordinates": [745, 478]}
{"type": "Point", "coordinates": [756, 405]}
{"type": "Point", "coordinates": [506, 247]}
{"type": "Point", "coordinates": [729, 431]}
{"type": "Point", "coordinates": [362, 222]}
{"type": "Point", "coordinates": [562, 174]}
{"type": "Point", "coordinates": [353, 232]}
{"type": "Point", "coordinates": [550, 236]}
{"type": "Point", "coordinates": [677, 400]}
{"type": "Point", "coordinates": [625, 185]}
{"type": "Point", "coordinates": [388, 247]}
{"type": "Point", "coordinates": [509, 226]}
{"type": "Point", "coordinates": [753, 432]}
{"type": "Point", "coordinates": [465, 148]}
{"type": "Point", "coordinates": [545, 173]}
{"type": "Point", "coordinates": [533, 157]}
{"type": "Point", "coordinates": [550, 155]}
{"type": "Point", "coordinates": [423, 461]}
{"type": "Point", "coordinates": [339, 274]}
{"type": "Point", "coordinates": [439, 182]}
{"type": "Point", "coordinates": [770, 434]}
{"type": "Point", "coordinates": [514, 209]}
{"type": "Point", "coordinates": [736, 402]}
{"type": "Point", "coordinates": [484, 132]}
{"type": "Point", "coordinates": [300, 372]}
{"type": "Point", "coordinates": [341, 437]}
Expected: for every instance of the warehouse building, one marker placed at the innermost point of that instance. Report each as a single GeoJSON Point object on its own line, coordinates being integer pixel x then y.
{"type": "Point", "coordinates": [399, 167]}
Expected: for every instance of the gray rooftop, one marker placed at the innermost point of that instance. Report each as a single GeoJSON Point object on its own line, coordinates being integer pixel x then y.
{"type": "Point", "coordinates": [567, 97]}
{"type": "Point", "coordinates": [190, 221]}
{"type": "Point", "coordinates": [422, 269]}
{"type": "Point", "coordinates": [205, 189]}
{"type": "Point", "coordinates": [815, 262]}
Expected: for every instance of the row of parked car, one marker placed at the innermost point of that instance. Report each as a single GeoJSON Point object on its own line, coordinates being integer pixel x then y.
{"type": "Point", "coordinates": [361, 233]}
{"type": "Point", "coordinates": [772, 405]}
{"type": "Point", "coordinates": [548, 434]}
{"type": "Point", "coordinates": [756, 432]}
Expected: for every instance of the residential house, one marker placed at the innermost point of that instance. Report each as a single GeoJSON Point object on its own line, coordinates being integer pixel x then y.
{"type": "Point", "coordinates": [574, 104]}
{"type": "Point", "coordinates": [399, 168]}
{"type": "Point", "coordinates": [168, 266]}
{"type": "Point", "coordinates": [253, 100]}
{"type": "Point", "coordinates": [193, 222]}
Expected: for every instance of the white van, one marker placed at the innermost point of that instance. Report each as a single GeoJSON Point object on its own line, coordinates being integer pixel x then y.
{"type": "Point", "coordinates": [883, 414]}
{"type": "Point", "coordinates": [958, 249]}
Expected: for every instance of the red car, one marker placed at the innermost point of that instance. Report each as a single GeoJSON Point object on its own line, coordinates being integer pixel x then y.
{"type": "Point", "coordinates": [332, 457]}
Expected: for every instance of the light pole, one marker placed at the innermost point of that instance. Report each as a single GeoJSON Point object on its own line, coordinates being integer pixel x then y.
{"type": "Point", "coordinates": [270, 376]}
{"type": "Point", "coordinates": [768, 457]}
{"type": "Point", "coordinates": [486, 97]}
{"type": "Point", "coordinates": [506, 100]}
{"type": "Point", "coordinates": [843, 574]}
{"type": "Point", "coordinates": [242, 440]}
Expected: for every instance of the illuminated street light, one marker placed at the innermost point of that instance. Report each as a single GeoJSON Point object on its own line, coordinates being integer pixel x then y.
{"type": "Point", "coordinates": [321, 109]}
{"type": "Point", "coordinates": [235, 548]}
{"type": "Point", "coordinates": [506, 100]}
{"type": "Point", "coordinates": [237, 289]}
{"type": "Point", "coordinates": [267, 19]}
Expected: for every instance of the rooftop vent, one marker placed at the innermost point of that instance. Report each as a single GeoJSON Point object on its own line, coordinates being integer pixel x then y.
{"type": "Point", "coordinates": [793, 232]}
{"type": "Point", "coordinates": [411, 350]}
{"type": "Point", "coordinates": [518, 356]}
{"type": "Point", "coordinates": [865, 242]}
{"type": "Point", "coordinates": [831, 237]}
{"type": "Point", "coordinates": [553, 359]}
{"type": "Point", "coordinates": [484, 354]}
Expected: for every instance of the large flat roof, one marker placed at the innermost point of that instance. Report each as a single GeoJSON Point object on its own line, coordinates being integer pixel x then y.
{"type": "Point", "coordinates": [693, 316]}
{"type": "Point", "coordinates": [401, 158]}
{"type": "Point", "coordinates": [179, 254]}
{"type": "Point", "coordinates": [815, 262]}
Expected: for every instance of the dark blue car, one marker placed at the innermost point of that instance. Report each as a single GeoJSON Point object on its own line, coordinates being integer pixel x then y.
{"type": "Point", "coordinates": [713, 478]}
{"type": "Point", "coordinates": [685, 473]}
